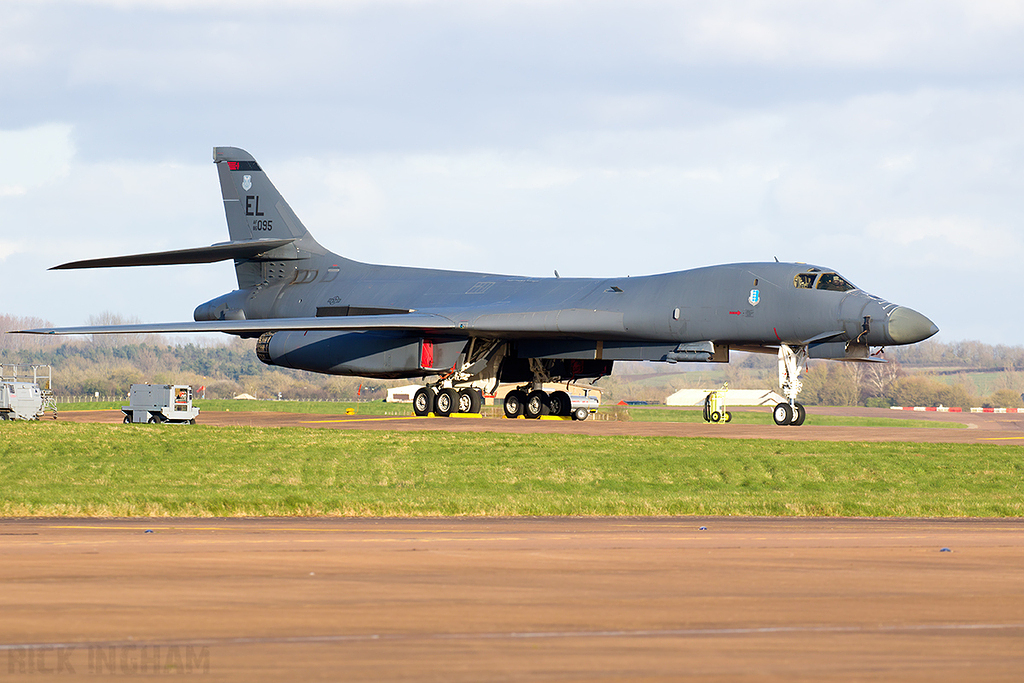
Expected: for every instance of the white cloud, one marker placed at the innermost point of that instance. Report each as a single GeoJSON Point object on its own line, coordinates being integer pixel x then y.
{"type": "Point", "coordinates": [883, 139]}
{"type": "Point", "coordinates": [32, 159]}
{"type": "Point", "coordinates": [34, 156]}
{"type": "Point", "coordinates": [949, 242]}
{"type": "Point", "coordinates": [8, 248]}
{"type": "Point", "coordinates": [842, 33]}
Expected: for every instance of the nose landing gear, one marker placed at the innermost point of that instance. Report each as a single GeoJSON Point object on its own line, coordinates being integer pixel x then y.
{"type": "Point", "coordinates": [792, 361]}
{"type": "Point", "coordinates": [786, 414]}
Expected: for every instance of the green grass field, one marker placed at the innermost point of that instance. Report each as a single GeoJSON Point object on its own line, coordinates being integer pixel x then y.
{"type": "Point", "coordinates": [57, 468]}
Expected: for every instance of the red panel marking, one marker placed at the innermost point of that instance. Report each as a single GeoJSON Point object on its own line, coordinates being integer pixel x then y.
{"type": "Point", "coordinates": [233, 165]}
{"type": "Point", "coordinates": [776, 334]}
{"type": "Point", "coordinates": [427, 355]}
{"type": "Point", "coordinates": [735, 312]}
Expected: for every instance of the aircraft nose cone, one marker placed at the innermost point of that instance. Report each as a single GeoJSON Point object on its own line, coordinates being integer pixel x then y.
{"type": "Point", "coordinates": [907, 326]}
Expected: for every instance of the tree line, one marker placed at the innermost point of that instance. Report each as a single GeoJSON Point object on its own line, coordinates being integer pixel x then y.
{"type": "Point", "coordinates": [883, 385]}
{"type": "Point", "coordinates": [943, 356]}
{"type": "Point", "coordinates": [110, 364]}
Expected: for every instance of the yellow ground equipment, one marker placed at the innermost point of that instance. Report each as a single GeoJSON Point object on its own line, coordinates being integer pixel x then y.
{"type": "Point", "coordinates": [714, 406]}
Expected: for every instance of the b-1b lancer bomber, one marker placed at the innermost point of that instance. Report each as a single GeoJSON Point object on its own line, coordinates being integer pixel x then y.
{"type": "Point", "coordinates": [314, 310]}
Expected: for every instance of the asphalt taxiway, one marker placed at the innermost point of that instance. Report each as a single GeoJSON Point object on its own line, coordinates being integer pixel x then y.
{"type": "Point", "coordinates": [562, 599]}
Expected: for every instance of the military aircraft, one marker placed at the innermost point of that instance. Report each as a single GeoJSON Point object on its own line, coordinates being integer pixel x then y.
{"type": "Point", "coordinates": [314, 310]}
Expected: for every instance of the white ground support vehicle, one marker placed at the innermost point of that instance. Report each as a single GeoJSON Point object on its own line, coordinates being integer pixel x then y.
{"type": "Point", "coordinates": [582, 406]}
{"type": "Point", "coordinates": [20, 401]}
{"type": "Point", "coordinates": [156, 403]}
{"type": "Point", "coordinates": [24, 400]}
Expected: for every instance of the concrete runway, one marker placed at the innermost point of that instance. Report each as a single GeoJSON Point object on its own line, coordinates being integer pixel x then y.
{"type": "Point", "coordinates": [611, 599]}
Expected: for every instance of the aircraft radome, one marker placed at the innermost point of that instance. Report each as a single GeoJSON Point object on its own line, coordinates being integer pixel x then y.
{"type": "Point", "coordinates": [314, 310]}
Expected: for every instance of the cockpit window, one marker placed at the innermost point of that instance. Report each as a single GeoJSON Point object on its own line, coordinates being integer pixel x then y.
{"type": "Point", "coordinates": [804, 280]}
{"type": "Point", "coordinates": [832, 282]}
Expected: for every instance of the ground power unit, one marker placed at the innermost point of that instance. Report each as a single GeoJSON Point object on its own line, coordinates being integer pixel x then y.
{"type": "Point", "coordinates": [156, 403]}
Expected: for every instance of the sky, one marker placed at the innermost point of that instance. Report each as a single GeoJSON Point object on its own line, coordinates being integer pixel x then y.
{"type": "Point", "coordinates": [882, 139]}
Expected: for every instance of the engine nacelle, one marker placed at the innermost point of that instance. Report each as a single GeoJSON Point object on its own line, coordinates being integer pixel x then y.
{"type": "Point", "coordinates": [384, 355]}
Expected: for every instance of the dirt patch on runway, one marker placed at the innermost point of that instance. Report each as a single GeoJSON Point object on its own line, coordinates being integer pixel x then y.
{"type": "Point", "coordinates": [982, 427]}
{"type": "Point", "coordinates": [561, 599]}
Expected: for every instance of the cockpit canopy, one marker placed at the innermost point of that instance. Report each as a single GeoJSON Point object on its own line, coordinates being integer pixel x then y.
{"type": "Point", "coordinates": [830, 282]}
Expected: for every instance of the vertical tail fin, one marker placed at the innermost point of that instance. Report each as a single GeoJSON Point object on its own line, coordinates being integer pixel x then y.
{"type": "Point", "coordinates": [253, 206]}
{"type": "Point", "coordinates": [256, 210]}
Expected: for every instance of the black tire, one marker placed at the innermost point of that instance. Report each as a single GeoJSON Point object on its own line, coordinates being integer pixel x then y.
{"type": "Point", "coordinates": [469, 400]}
{"type": "Point", "coordinates": [782, 414]}
{"type": "Point", "coordinates": [537, 403]}
{"type": "Point", "coordinates": [716, 416]}
{"type": "Point", "coordinates": [514, 402]}
{"type": "Point", "coordinates": [127, 419]}
{"type": "Point", "coordinates": [192, 421]}
{"type": "Point", "coordinates": [799, 415]}
{"type": "Point", "coordinates": [580, 414]}
{"type": "Point", "coordinates": [153, 419]}
{"type": "Point", "coordinates": [727, 416]}
{"type": "Point", "coordinates": [446, 403]}
{"type": "Point", "coordinates": [423, 402]}
{"type": "Point", "coordinates": [559, 403]}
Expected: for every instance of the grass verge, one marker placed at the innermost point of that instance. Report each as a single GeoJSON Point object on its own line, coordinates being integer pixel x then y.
{"type": "Point", "coordinates": [65, 469]}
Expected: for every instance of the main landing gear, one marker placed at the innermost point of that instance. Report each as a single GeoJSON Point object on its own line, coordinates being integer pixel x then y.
{"type": "Point", "coordinates": [791, 364]}
{"type": "Point", "coordinates": [444, 402]}
{"type": "Point", "coordinates": [537, 403]}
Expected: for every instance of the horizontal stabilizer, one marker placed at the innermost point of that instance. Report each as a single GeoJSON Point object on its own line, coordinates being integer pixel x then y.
{"type": "Point", "coordinates": [218, 252]}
